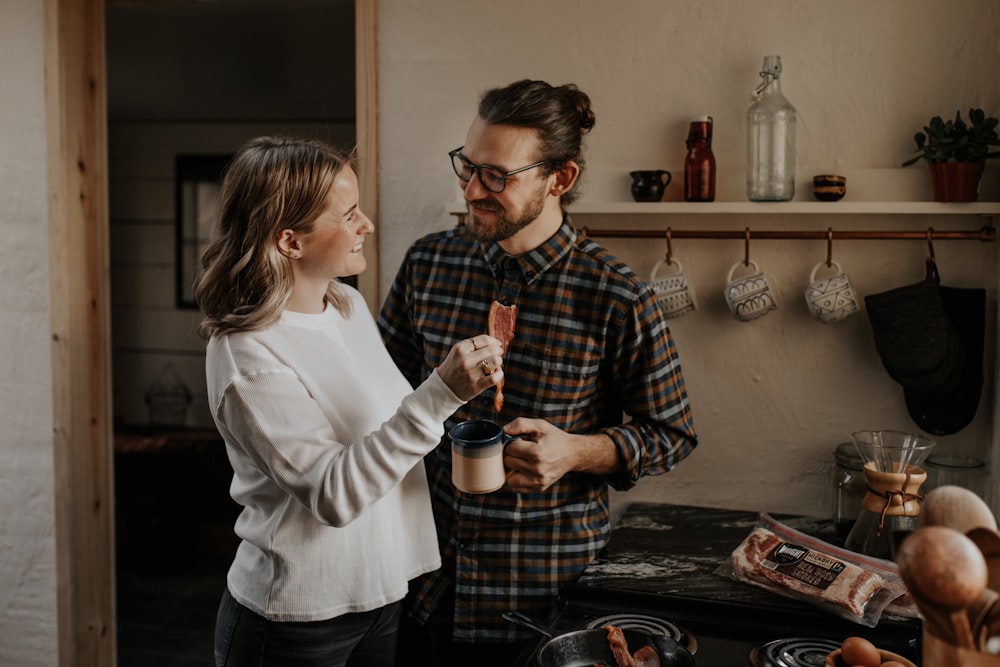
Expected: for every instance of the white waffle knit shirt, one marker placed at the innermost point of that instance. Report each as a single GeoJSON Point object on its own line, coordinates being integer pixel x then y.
{"type": "Point", "coordinates": [326, 440]}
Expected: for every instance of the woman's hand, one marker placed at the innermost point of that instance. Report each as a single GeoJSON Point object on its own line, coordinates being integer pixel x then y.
{"type": "Point", "coordinates": [472, 365]}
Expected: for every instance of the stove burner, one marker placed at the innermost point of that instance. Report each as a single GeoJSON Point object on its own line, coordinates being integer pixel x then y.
{"type": "Point", "coordinates": [650, 624]}
{"type": "Point", "coordinates": [797, 652]}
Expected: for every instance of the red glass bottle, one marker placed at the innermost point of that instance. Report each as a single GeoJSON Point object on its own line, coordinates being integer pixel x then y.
{"type": "Point", "coordinates": [699, 163]}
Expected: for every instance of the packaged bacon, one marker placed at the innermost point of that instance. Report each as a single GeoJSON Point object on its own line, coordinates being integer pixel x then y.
{"type": "Point", "coordinates": [780, 559]}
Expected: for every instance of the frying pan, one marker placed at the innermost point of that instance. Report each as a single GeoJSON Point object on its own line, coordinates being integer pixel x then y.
{"type": "Point", "coordinates": [584, 648]}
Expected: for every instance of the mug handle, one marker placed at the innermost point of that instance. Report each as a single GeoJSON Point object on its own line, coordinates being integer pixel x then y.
{"type": "Point", "coordinates": [752, 264]}
{"type": "Point", "coordinates": [666, 173]}
{"type": "Point", "coordinates": [664, 262]}
{"type": "Point", "coordinates": [833, 263]}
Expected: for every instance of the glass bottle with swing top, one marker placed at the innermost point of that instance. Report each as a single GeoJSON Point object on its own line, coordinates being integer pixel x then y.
{"type": "Point", "coordinates": [699, 163]}
{"type": "Point", "coordinates": [770, 139]}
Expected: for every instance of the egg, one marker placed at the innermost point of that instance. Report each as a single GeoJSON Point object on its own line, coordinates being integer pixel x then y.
{"type": "Point", "coordinates": [859, 652]}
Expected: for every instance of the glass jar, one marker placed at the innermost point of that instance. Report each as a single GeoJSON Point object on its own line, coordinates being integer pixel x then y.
{"type": "Point", "coordinates": [965, 471]}
{"type": "Point", "coordinates": [770, 139]}
{"type": "Point", "coordinates": [848, 488]}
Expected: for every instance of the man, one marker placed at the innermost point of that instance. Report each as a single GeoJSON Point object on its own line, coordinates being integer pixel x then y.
{"type": "Point", "coordinates": [589, 345]}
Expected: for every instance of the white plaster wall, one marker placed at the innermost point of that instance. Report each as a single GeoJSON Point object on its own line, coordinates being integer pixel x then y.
{"type": "Point", "coordinates": [27, 543]}
{"type": "Point", "coordinates": [773, 397]}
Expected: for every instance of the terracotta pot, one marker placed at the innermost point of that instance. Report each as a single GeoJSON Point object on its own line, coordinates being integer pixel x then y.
{"type": "Point", "coordinates": [956, 181]}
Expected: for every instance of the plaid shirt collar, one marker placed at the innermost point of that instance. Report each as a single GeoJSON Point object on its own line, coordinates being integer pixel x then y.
{"type": "Point", "coordinates": [537, 261]}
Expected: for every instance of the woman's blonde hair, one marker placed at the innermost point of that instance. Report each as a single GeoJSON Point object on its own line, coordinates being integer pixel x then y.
{"type": "Point", "coordinates": [271, 184]}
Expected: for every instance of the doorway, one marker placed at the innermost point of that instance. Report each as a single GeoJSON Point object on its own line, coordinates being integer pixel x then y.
{"type": "Point", "coordinates": [198, 79]}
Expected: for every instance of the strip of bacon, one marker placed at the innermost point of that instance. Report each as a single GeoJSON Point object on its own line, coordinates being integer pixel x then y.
{"type": "Point", "coordinates": [501, 324]}
{"type": "Point", "coordinates": [647, 657]}
{"type": "Point", "coordinates": [619, 646]}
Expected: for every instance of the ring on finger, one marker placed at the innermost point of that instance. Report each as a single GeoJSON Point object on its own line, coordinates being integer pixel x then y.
{"type": "Point", "coordinates": [487, 368]}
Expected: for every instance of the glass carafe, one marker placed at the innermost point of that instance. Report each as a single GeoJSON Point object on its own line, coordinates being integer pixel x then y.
{"type": "Point", "coordinates": [894, 474]}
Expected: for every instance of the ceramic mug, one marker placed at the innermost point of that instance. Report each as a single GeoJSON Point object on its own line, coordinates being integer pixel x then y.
{"type": "Point", "coordinates": [672, 291]}
{"type": "Point", "coordinates": [831, 299]}
{"type": "Point", "coordinates": [477, 456]}
{"type": "Point", "coordinates": [750, 296]}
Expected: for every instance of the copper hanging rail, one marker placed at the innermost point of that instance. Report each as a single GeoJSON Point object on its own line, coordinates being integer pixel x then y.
{"type": "Point", "coordinates": [985, 233]}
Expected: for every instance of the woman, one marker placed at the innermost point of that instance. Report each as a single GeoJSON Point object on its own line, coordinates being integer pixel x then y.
{"type": "Point", "coordinates": [324, 435]}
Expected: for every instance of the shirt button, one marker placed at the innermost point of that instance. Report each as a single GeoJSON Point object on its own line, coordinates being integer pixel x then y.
{"type": "Point", "coordinates": [462, 546]}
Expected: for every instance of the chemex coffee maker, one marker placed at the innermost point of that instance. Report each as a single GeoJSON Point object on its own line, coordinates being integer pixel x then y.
{"type": "Point", "coordinates": [893, 470]}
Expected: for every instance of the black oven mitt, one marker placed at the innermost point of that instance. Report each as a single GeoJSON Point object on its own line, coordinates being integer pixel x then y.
{"type": "Point", "coordinates": [915, 338]}
{"type": "Point", "coordinates": [950, 412]}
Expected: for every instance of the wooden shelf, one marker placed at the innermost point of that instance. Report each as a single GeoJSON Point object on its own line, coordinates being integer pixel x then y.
{"type": "Point", "coordinates": [986, 209]}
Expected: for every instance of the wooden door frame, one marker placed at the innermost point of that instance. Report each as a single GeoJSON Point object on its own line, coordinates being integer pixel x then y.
{"type": "Point", "coordinates": [366, 131]}
{"type": "Point", "coordinates": [79, 265]}
{"type": "Point", "coordinates": [76, 135]}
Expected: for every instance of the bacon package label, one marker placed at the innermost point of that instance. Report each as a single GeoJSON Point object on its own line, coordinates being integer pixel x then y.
{"type": "Point", "coordinates": [502, 321]}
{"type": "Point", "coordinates": [807, 566]}
{"type": "Point", "coordinates": [780, 559]}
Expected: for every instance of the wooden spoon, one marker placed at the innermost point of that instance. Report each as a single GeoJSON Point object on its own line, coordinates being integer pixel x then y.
{"type": "Point", "coordinates": [936, 620]}
{"type": "Point", "coordinates": [988, 542]}
{"type": "Point", "coordinates": [945, 569]}
{"type": "Point", "coordinates": [983, 615]}
{"type": "Point", "coordinates": [956, 507]}
{"type": "Point", "coordinates": [988, 632]}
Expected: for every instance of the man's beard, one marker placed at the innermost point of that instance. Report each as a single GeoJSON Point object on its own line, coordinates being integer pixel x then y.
{"type": "Point", "coordinates": [505, 224]}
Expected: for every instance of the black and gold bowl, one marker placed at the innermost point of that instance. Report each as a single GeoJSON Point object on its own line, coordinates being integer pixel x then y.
{"type": "Point", "coordinates": [829, 187]}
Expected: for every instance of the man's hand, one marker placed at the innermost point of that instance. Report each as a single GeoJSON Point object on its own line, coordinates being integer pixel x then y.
{"type": "Point", "coordinates": [543, 454]}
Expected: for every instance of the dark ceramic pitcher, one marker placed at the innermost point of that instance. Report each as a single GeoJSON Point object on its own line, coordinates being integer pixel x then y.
{"type": "Point", "coordinates": [649, 184]}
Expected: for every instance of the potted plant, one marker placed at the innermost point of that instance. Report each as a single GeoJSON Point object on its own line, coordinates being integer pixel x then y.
{"type": "Point", "coordinates": [956, 153]}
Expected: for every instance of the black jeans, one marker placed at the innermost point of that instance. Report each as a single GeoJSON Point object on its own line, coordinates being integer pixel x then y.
{"type": "Point", "coordinates": [431, 644]}
{"type": "Point", "coordinates": [246, 639]}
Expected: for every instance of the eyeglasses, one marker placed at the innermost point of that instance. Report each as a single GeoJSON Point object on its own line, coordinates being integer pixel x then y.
{"type": "Point", "coordinates": [493, 179]}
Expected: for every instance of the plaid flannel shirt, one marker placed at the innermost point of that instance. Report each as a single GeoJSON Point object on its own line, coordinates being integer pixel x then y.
{"type": "Point", "coordinates": [590, 346]}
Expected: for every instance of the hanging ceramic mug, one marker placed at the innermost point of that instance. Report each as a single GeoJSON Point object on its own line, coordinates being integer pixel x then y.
{"type": "Point", "coordinates": [831, 299]}
{"type": "Point", "coordinates": [749, 296]}
{"type": "Point", "coordinates": [673, 293]}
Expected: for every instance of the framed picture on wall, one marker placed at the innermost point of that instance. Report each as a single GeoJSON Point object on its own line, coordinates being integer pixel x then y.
{"type": "Point", "coordinates": [198, 182]}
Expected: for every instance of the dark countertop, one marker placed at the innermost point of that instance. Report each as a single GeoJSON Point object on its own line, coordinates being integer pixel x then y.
{"type": "Point", "coordinates": [663, 559]}
{"type": "Point", "coordinates": [663, 549]}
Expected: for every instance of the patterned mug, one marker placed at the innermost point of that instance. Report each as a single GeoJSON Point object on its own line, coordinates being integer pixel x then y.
{"type": "Point", "coordinates": [831, 299]}
{"type": "Point", "coordinates": [673, 293]}
{"type": "Point", "coordinates": [750, 296]}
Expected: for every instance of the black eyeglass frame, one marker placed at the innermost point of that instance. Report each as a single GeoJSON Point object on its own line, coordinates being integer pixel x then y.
{"type": "Point", "coordinates": [476, 169]}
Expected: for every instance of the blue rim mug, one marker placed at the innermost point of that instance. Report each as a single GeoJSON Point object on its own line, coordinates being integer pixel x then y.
{"type": "Point", "coordinates": [477, 455]}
